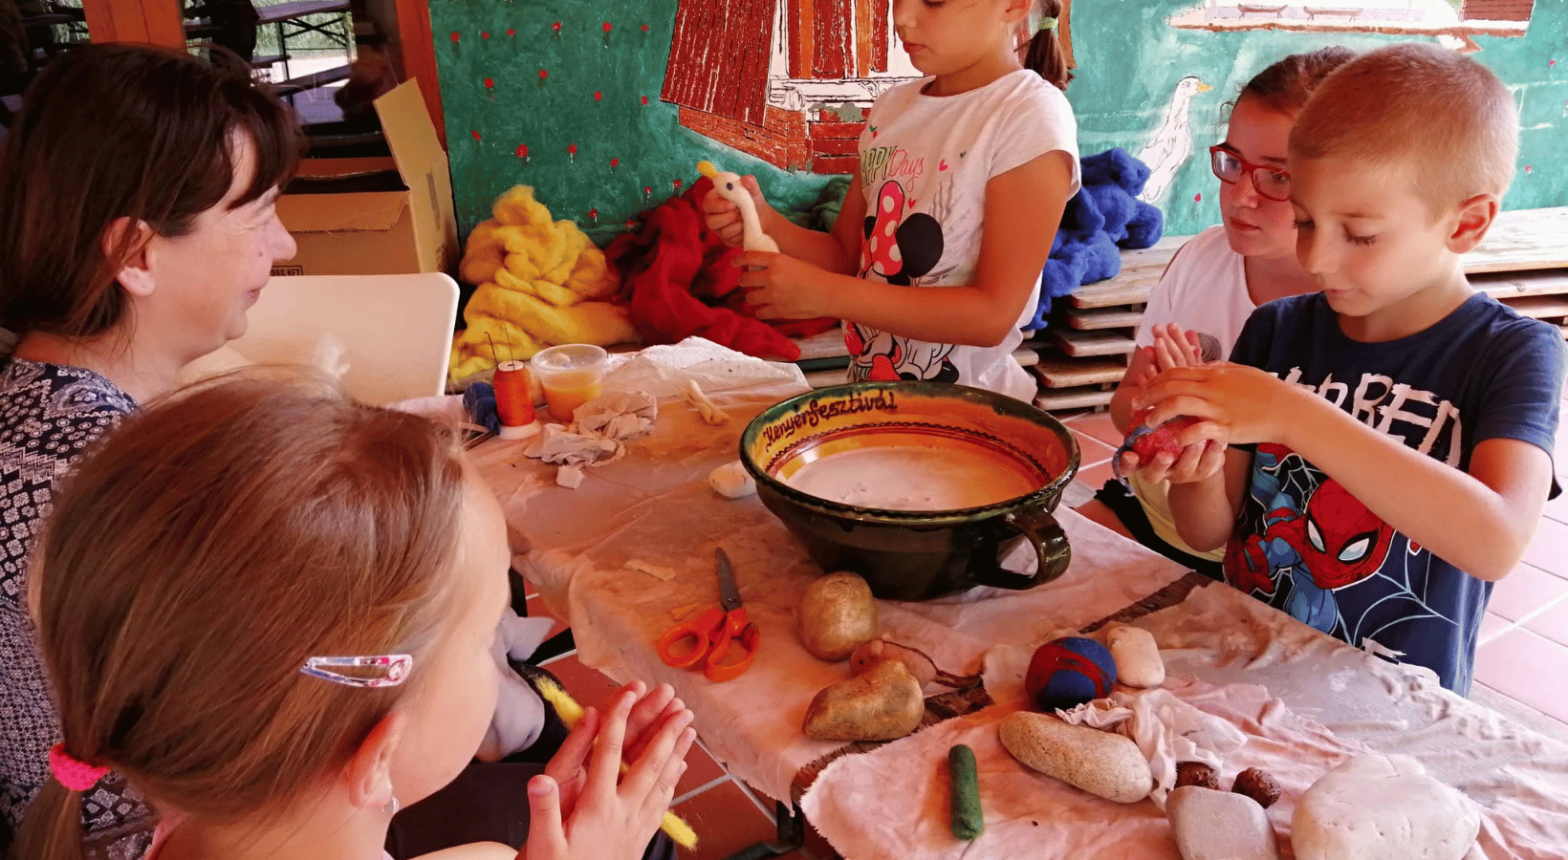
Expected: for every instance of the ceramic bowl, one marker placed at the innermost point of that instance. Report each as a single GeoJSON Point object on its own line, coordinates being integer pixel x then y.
{"type": "Point", "coordinates": [919, 487]}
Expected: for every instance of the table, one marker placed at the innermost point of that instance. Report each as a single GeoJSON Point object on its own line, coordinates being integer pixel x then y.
{"type": "Point", "coordinates": [653, 506]}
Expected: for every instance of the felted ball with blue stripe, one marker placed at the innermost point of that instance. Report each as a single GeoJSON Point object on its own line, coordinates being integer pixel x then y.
{"type": "Point", "coordinates": [1068, 672]}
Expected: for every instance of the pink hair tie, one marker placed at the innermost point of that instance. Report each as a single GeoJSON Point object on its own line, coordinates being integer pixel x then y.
{"type": "Point", "coordinates": [73, 773]}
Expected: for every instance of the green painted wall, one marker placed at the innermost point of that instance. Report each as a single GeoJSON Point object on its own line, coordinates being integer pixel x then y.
{"type": "Point", "coordinates": [1129, 61]}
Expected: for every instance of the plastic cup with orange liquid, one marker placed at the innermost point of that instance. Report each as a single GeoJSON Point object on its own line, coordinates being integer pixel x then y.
{"type": "Point", "coordinates": [571, 374]}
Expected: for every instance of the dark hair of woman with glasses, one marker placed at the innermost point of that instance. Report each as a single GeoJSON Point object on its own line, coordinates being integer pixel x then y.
{"type": "Point", "coordinates": [1216, 280]}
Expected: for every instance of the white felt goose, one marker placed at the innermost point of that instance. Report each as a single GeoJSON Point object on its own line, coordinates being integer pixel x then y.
{"type": "Point", "coordinates": [730, 188]}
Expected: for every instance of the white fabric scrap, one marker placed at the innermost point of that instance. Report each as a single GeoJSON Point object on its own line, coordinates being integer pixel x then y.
{"type": "Point", "coordinates": [519, 712]}
{"type": "Point", "coordinates": [1167, 730]}
{"type": "Point", "coordinates": [598, 435]}
{"type": "Point", "coordinates": [664, 370]}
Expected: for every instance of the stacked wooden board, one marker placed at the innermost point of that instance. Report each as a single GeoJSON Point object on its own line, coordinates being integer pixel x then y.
{"type": "Point", "coordinates": [1085, 349]}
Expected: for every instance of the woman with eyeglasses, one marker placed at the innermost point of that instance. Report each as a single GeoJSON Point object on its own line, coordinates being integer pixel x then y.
{"type": "Point", "coordinates": [1216, 280]}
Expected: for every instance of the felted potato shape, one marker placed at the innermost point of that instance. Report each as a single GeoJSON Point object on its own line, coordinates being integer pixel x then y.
{"type": "Point", "coordinates": [880, 704]}
{"type": "Point", "coordinates": [837, 615]}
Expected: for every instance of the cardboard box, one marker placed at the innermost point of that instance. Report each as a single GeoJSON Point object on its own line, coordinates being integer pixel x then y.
{"type": "Point", "coordinates": [384, 232]}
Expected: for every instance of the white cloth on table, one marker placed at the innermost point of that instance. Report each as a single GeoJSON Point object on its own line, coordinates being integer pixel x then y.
{"type": "Point", "coordinates": [617, 614]}
{"type": "Point", "coordinates": [1304, 701]}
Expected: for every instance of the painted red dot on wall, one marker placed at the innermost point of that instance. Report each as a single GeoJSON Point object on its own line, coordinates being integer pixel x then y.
{"type": "Point", "coordinates": [489, 83]}
{"type": "Point", "coordinates": [645, 28]}
{"type": "Point", "coordinates": [522, 150]}
{"type": "Point", "coordinates": [511, 31]}
{"type": "Point", "coordinates": [593, 215]}
{"type": "Point", "coordinates": [556, 27]}
{"type": "Point", "coordinates": [484, 34]}
{"type": "Point", "coordinates": [677, 183]}
{"type": "Point", "coordinates": [1529, 168]}
{"type": "Point", "coordinates": [543, 73]}
{"type": "Point", "coordinates": [1197, 198]}
{"type": "Point", "coordinates": [614, 163]}
{"type": "Point", "coordinates": [598, 96]}
{"type": "Point", "coordinates": [456, 36]}
{"type": "Point", "coordinates": [644, 101]}
{"type": "Point", "coordinates": [572, 149]}
{"type": "Point", "coordinates": [606, 26]}
{"type": "Point", "coordinates": [1551, 63]}
{"type": "Point", "coordinates": [475, 133]}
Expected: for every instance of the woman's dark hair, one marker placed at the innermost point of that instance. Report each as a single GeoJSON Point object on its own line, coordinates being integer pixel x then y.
{"type": "Point", "coordinates": [1285, 86]}
{"type": "Point", "coordinates": [1045, 56]}
{"type": "Point", "coordinates": [121, 131]}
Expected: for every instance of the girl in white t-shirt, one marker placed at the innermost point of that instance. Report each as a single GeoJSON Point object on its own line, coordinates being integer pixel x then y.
{"type": "Point", "coordinates": [1216, 280]}
{"type": "Point", "coordinates": [962, 181]}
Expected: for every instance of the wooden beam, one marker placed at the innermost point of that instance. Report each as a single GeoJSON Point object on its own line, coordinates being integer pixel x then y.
{"type": "Point", "coordinates": [150, 22]}
{"type": "Point", "coordinates": [417, 44]}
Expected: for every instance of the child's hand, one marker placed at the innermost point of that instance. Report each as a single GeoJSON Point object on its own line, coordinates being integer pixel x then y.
{"type": "Point", "coordinates": [782, 287]}
{"type": "Point", "coordinates": [1174, 348]}
{"type": "Point", "coordinates": [1237, 404]}
{"type": "Point", "coordinates": [723, 216]}
{"type": "Point", "coordinates": [1197, 462]}
{"type": "Point", "coordinates": [569, 765]}
{"type": "Point", "coordinates": [613, 817]}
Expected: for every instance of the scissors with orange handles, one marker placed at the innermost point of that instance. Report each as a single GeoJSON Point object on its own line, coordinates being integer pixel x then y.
{"type": "Point", "coordinates": [721, 632]}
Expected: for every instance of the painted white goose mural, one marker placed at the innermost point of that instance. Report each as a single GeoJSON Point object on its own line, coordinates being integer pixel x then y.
{"type": "Point", "coordinates": [1170, 147]}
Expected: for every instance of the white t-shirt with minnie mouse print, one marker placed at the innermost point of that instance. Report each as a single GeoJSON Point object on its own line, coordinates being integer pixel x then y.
{"type": "Point", "coordinates": [924, 164]}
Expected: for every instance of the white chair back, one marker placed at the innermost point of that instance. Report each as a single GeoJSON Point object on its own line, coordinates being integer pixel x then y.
{"type": "Point", "coordinates": [395, 330]}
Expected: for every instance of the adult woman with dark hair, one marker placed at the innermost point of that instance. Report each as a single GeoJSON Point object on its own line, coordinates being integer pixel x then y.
{"type": "Point", "coordinates": [138, 193]}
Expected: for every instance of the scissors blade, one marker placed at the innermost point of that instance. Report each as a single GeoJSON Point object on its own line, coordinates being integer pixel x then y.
{"type": "Point", "coordinates": [729, 594]}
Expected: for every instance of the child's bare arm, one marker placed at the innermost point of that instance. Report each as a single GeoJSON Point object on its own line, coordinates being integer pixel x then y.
{"type": "Point", "coordinates": [1022, 210]}
{"type": "Point", "coordinates": [1205, 511]}
{"type": "Point", "coordinates": [1480, 522]}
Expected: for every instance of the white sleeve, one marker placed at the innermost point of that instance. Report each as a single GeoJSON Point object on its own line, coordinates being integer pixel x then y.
{"type": "Point", "coordinates": [1038, 120]}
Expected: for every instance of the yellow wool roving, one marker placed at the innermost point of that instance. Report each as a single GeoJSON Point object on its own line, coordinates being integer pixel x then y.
{"type": "Point", "coordinates": [541, 283]}
{"type": "Point", "coordinates": [571, 714]}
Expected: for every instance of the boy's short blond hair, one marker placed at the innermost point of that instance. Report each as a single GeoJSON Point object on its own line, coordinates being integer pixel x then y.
{"type": "Point", "coordinates": [1439, 115]}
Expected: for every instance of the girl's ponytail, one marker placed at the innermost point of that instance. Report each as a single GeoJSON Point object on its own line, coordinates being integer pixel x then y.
{"type": "Point", "coordinates": [1046, 56]}
{"type": "Point", "coordinates": [52, 829]}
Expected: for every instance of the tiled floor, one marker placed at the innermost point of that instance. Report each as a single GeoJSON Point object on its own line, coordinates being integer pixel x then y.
{"type": "Point", "coordinates": [1521, 669]}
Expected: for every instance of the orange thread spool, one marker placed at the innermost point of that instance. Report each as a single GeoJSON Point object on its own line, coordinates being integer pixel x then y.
{"type": "Point", "coordinates": [512, 401]}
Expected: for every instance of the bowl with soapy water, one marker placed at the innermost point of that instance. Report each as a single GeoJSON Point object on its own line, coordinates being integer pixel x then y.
{"type": "Point", "coordinates": [921, 488]}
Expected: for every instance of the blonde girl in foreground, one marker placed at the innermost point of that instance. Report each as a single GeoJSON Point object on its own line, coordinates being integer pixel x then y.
{"type": "Point", "coordinates": [272, 609]}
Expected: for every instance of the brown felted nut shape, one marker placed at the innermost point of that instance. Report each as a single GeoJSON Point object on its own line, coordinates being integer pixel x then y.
{"type": "Point", "coordinates": [880, 704]}
{"type": "Point", "coordinates": [837, 615]}
{"type": "Point", "coordinates": [1258, 785]}
{"type": "Point", "coordinates": [1196, 773]}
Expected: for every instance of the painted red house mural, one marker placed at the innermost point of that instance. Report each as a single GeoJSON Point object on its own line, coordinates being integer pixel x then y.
{"type": "Point", "coordinates": [788, 81]}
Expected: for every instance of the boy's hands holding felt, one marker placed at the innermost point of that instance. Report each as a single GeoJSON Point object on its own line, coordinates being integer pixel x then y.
{"type": "Point", "coordinates": [1234, 403]}
{"type": "Point", "coordinates": [1171, 451]}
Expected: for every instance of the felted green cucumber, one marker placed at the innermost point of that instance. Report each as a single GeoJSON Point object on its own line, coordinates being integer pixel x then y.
{"type": "Point", "coordinates": [968, 822]}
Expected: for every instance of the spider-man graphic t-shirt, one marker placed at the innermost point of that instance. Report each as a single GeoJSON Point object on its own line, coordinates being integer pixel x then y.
{"type": "Point", "coordinates": [924, 164]}
{"type": "Point", "coordinates": [1311, 549]}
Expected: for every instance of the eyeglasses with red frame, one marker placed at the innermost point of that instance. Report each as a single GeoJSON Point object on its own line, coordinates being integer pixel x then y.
{"type": "Point", "coordinates": [1272, 183]}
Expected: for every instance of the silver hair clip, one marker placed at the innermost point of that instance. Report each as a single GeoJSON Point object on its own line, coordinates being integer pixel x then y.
{"type": "Point", "coordinates": [397, 668]}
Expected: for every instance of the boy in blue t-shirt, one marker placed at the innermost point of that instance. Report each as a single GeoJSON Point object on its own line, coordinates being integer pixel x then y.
{"type": "Point", "coordinates": [1392, 433]}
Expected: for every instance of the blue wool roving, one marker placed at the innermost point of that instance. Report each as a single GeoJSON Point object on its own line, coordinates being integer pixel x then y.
{"type": "Point", "coordinates": [1068, 672]}
{"type": "Point", "coordinates": [1104, 217]}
